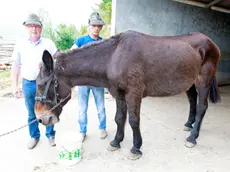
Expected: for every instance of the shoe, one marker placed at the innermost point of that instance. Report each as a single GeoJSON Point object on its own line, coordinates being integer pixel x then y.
{"type": "Point", "coordinates": [106, 91]}
{"type": "Point", "coordinates": [103, 134]}
{"type": "Point", "coordinates": [83, 136]}
{"type": "Point", "coordinates": [32, 143]}
{"type": "Point", "coordinates": [52, 141]}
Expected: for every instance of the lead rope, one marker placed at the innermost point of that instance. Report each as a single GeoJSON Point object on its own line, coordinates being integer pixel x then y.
{"type": "Point", "coordinates": [19, 128]}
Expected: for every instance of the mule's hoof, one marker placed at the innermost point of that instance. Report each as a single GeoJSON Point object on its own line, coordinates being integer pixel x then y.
{"type": "Point", "coordinates": [112, 148]}
{"type": "Point", "coordinates": [133, 156]}
{"type": "Point", "coordinates": [135, 153]}
{"type": "Point", "coordinates": [189, 144]}
{"type": "Point", "coordinates": [187, 128]}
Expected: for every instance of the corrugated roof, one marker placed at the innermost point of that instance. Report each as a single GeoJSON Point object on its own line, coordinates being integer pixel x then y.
{"type": "Point", "coordinates": [218, 5]}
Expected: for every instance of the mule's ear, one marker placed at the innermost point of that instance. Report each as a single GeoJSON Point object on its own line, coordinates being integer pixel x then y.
{"type": "Point", "coordinates": [48, 61]}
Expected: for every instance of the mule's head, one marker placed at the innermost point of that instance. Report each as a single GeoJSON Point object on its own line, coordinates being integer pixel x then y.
{"type": "Point", "coordinates": [52, 92]}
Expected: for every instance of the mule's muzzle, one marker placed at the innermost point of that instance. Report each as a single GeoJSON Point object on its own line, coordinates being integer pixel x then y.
{"type": "Point", "coordinates": [48, 120]}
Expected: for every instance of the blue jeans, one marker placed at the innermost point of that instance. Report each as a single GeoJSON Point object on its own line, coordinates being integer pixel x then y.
{"type": "Point", "coordinates": [29, 90]}
{"type": "Point", "coordinates": [83, 99]}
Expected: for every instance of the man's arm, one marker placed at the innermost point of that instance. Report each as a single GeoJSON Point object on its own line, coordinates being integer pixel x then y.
{"type": "Point", "coordinates": [15, 70]}
{"type": "Point", "coordinates": [76, 44]}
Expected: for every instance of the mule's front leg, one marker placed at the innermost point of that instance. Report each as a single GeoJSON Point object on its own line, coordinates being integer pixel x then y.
{"type": "Point", "coordinates": [120, 120]}
{"type": "Point", "coordinates": [134, 121]}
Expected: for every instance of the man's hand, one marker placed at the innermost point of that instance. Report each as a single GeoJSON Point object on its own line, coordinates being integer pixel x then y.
{"type": "Point", "coordinates": [17, 93]}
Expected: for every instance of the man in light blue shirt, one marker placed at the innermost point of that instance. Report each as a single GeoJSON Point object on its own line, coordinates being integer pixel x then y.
{"type": "Point", "coordinates": [28, 54]}
{"type": "Point", "coordinates": [95, 26]}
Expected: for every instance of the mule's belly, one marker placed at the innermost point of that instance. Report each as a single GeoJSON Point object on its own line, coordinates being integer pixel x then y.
{"type": "Point", "coordinates": [169, 89]}
{"type": "Point", "coordinates": [173, 83]}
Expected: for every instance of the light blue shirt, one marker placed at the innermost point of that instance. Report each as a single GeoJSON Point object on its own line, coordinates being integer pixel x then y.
{"type": "Point", "coordinates": [29, 55]}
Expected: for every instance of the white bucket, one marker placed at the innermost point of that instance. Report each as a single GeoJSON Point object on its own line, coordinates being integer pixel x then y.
{"type": "Point", "coordinates": [70, 153]}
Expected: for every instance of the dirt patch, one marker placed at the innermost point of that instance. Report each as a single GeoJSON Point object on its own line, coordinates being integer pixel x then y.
{"type": "Point", "coordinates": [5, 87]}
{"type": "Point", "coordinates": [5, 84]}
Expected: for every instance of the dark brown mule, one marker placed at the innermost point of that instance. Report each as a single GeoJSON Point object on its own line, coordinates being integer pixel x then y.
{"type": "Point", "coordinates": [133, 65]}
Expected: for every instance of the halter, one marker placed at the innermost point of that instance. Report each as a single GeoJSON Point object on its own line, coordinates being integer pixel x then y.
{"type": "Point", "coordinates": [44, 98]}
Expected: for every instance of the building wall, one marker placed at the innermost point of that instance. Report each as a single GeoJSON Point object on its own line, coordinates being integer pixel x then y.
{"type": "Point", "coordinates": [165, 17]}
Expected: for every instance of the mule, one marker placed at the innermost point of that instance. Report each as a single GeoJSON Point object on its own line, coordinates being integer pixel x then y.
{"type": "Point", "coordinates": [133, 65]}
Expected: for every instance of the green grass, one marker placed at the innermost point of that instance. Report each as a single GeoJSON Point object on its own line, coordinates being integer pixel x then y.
{"type": "Point", "coordinates": [5, 74]}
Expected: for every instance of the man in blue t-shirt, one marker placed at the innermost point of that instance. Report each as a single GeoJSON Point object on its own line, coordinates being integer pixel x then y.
{"type": "Point", "coordinates": [95, 26]}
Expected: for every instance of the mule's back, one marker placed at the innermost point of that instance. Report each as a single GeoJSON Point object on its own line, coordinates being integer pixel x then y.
{"type": "Point", "coordinates": [164, 65]}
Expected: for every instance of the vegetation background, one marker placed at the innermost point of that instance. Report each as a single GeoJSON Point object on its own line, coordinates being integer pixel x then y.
{"type": "Point", "coordinates": [64, 36]}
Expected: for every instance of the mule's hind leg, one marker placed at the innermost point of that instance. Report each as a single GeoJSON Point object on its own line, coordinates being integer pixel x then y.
{"type": "Point", "coordinates": [192, 98]}
{"type": "Point", "coordinates": [203, 92]}
{"type": "Point", "coordinates": [120, 120]}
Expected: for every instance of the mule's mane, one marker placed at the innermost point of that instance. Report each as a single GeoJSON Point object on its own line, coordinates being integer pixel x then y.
{"type": "Point", "coordinates": [113, 40]}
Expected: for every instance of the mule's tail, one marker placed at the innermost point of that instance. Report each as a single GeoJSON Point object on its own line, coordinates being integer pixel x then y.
{"type": "Point", "coordinates": [212, 54]}
{"type": "Point", "coordinates": [214, 94]}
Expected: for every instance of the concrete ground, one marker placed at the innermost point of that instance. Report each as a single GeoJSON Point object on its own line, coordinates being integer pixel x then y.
{"type": "Point", "coordinates": [162, 121]}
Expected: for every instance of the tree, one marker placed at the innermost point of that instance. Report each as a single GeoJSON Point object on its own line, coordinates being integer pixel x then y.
{"type": "Point", "coordinates": [105, 11]}
{"type": "Point", "coordinates": [63, 36]}
{"type": "Point", "coordinates": [48, 30]}
{"type": "Point", "coordinates": [83, 30]}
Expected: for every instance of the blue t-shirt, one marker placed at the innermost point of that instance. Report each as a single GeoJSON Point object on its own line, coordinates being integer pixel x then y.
{"type": "Point", "coordinates": [85, 40]}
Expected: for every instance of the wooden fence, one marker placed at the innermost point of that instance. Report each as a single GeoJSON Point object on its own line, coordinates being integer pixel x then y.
{"type": "Point", "coordinates": [6, 50]}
